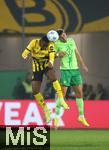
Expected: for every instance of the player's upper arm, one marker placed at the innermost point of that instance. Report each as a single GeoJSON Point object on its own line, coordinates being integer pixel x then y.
{"type": "Point", "coordinates": [51, 52]}
{"type": "Point", "coordinates": [71, 40]}
{"type": "Point", "coordinates": [31, 45]}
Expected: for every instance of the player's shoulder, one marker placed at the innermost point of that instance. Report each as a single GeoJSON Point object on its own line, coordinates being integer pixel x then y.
{"type": "Point", "coordinates": [70, 39]}
{"type": "Point", "coordinates": [51, 43]}
{"type": "Point", "coordinates": [58, 42]}
{"type": "Point", "coordinates": [35, 40]}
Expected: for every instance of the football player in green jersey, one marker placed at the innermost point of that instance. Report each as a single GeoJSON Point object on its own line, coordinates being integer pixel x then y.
{"type": "Point", "coordinates": [70, 73]}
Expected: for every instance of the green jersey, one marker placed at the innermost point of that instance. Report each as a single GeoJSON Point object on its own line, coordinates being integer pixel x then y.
{"type": "Point", "coordinates": [69, 61]}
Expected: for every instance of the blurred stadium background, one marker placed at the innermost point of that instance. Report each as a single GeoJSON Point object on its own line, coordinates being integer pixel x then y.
{"type": "Point", "coordinates": [88, 23]}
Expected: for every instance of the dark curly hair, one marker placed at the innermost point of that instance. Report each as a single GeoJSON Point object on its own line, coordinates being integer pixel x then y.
{"type": "Point", "coordinates": [44, 38]}
{"type": "Point", "coordinates": [60, 31]}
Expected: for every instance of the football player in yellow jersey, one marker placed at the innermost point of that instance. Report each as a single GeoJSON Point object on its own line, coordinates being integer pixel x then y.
{"type": "Point", "coordinates": [42, 52]}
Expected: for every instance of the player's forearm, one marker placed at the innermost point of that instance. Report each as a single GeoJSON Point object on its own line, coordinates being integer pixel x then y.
{"type": "Point", "coordinates": [79, 58]}
{"type": "Point", "coordinates": [25, 53]}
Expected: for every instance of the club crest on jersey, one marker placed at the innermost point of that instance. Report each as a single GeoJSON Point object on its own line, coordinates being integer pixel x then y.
{"type": "Point", "coordinates": [51, 48]}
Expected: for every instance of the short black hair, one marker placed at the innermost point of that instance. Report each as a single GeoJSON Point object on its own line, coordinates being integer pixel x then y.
{"type": "Point", "coordinates": [60, 31]}
{"type": "Point", "coordinates": [44, 38]}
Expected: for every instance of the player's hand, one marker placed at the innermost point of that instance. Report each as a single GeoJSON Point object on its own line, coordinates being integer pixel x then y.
{"type": "Point", "coordinates": [25, 57]}
{"type": "Point", "coordinates": [62, 54]}
{"type": "Point", "coordinates": [50, 64]}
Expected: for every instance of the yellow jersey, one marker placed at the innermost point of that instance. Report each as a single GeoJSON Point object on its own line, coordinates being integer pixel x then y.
{"type": "Point", "coordinates": [40, 57]}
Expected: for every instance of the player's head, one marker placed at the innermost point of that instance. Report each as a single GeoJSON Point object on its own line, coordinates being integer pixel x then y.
{"type": "Point", "coordinates": [44, 41]}
{"type": "Point", "coordinates": [62, 34]}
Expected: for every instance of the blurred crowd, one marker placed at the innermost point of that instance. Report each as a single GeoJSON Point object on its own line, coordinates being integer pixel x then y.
{"type": "Point", "coordinates": [23, 90]}
{"type": "Point", "coordinates": [95, 93]}
{"type": "Point", "coordinates": [90, 92]}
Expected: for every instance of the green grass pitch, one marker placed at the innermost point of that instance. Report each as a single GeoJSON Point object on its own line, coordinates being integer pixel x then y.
{"type": "Point", "coordinates": [79, 140]}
